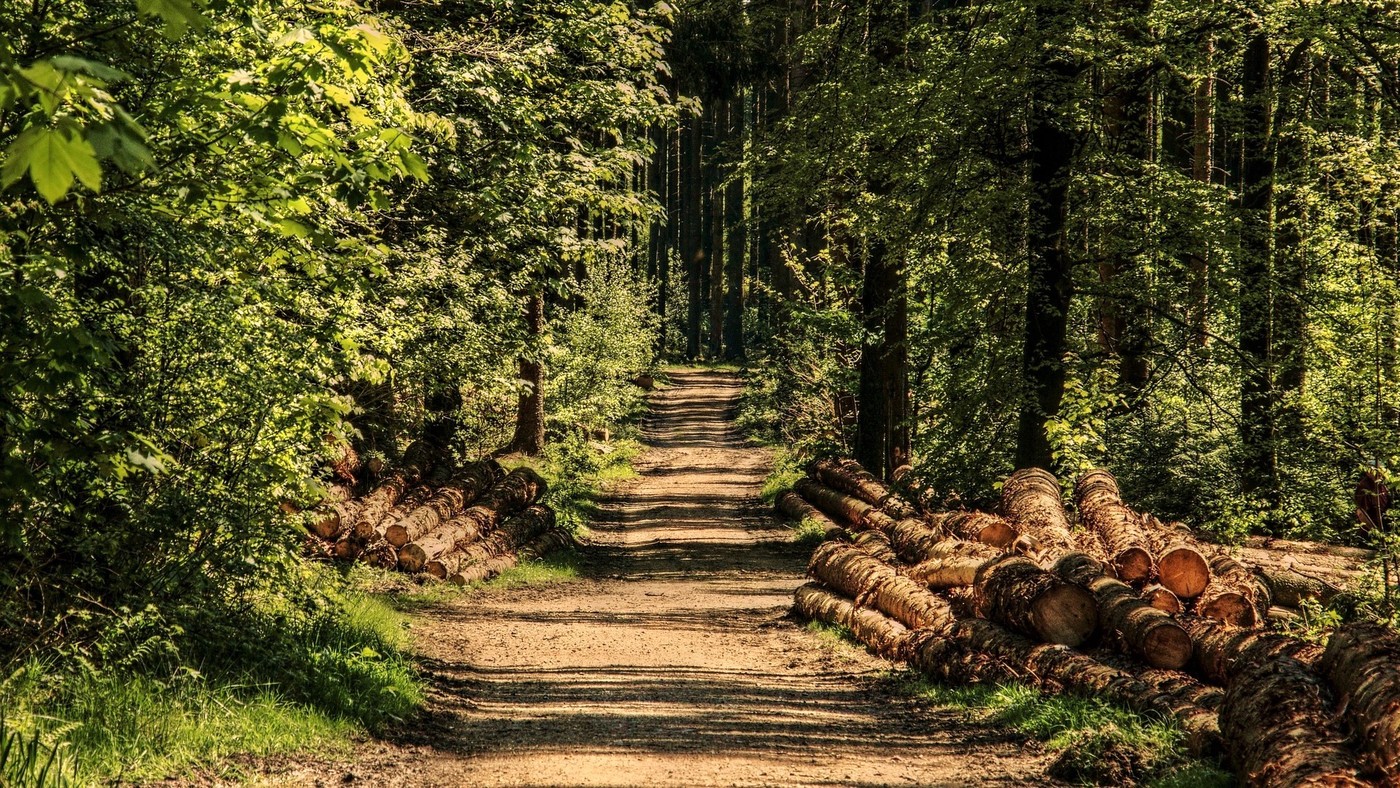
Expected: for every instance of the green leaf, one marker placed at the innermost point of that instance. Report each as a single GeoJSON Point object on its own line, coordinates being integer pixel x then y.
{"type": "Point", "coordinates": [178, 15]}
{"type": "Point", "coordinates": [54, 158]}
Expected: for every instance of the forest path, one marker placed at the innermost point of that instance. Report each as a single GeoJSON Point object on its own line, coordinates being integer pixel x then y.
{"type": "Point", "coordinates": [670, 661]}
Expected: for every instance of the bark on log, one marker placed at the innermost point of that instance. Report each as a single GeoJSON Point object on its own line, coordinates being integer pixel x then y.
{"type": "Point", "coordinates": [1359, 554]}
{"type": "Point", "coordinates": [878, 632]}
{"type": "Point", "coordinates": [849, 477]}
{"type": "Point", "coordinates": [876, 545]}
{"type": "Point", "coordinates": [1279, 731]}
{"type": "Point", "coordinates": [1145, 631]}
{"type": "Point", "coordinates": [552, 540]}
{"type": "Point", "coordinates": [367, 532]}
{"type": "Point", "coordinates": [848, 510]}
{"type": "Point", "coordinates": [869, 581]}
{"type": "Point", "coordinates": [1234, 596]}
{"type": "Point", "coordinates": [1162, 598]}
{"type": "Point", "coordinates": [451, 499]}
{"type": "Point", "coordinates": [1220, 651]}
{"type": "Point", "coordinates": [979, 527]}
{"type": "Point", "coordinates": [1362, 664]}
{"type": "Point", "coordinates": [512, 535]}
{"type": "Point", "coordinates": [1101, 509]}
{"type": "Point", "coordinates": [1181, 561]}
{"type": "Point", "coordinates": [1289, 588]}
{"type": "Point", "coordinates": [924, 498]}
{"type": "Point", "coordinates": [1031, 500]}
{"type": "Point", "coordinates": [518, 490]}
{"type": "Point", "coordinates": [1338, 572]}
{"type": "Point", "coordinates": [796, 507]}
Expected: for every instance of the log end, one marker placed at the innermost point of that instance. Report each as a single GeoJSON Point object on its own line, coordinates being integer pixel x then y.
{"type": "Point", "coordinates": [1065, 614]}
{"type": "Point", "coordinates": [436, 569]}
{"type": "Point", "coordinates": [1163, 599]}
{"type": "Point", "coordinates": [1230, 607]}
{"type": "Point", "coordinates": [412, 558]}
{"type": "Point", "coordinates": [1167, 646]}
{"type": "Point", "coordinates": [997, 533]}
{"type": "Point", "coordinates": [396, 535]}
{"type": "Point", "coordinates": [1133, 565]}
{"type": "Point", "coordinates": [1184, 572]}
{"type": "Point", "coordinates": [326, 527]}
{"type": "Point", "coordinates": [346, 549]}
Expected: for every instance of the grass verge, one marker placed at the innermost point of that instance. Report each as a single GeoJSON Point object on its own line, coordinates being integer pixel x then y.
{"type": "Point", "coordinates": [154, 698]}
{"type": "Point", "coordinates": [1094, 742]}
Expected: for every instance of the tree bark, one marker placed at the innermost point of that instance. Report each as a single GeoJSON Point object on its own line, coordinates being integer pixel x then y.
{"type": "Point", "coordinates": [882, 442]}
{"type": "Point", "coordinates": [1031, 500]}
{"type": "Point", "coordinates": [692, 207]}
{"type": "Point", "coordinates": [513, 534]}
{"type": "Point", "coordinates": [794, 506]}
{"type": "Point", "coordinates": [1362, 663]}
{"type": "Point", "coordinates": [529, 419]}
{"type": "Point", "coordinates": [1101, 508]}
{"type": "Point", "coordinates": [1145, 631]}
{"type": "Point", "coordinates": [850, 477]}
{"type": "Point", "coordinates": [846, 509]}
{"type": "Point", "coordinates": [519, 489]}
{"type": "Point", "coordinates": [736, 245]}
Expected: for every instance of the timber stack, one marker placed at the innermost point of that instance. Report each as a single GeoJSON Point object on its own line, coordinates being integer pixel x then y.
{"type": "Point", "coordinates": [1113, 603]}
{"type": "Point", "coordinates": [464, 525]}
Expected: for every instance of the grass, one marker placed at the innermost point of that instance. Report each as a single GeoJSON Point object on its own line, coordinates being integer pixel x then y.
{"type": "Point", "coordinates": [579, 472]}
{"type": "Point", "coordinates": [808, 533]}
{"type": "Point", "coordinates": [834, 636]}
{"type": "Point", "coordinates": [153, 699]}
{"type": "Point", "coordinates": [1095, 742]}
{"type": "Point", "coordinates": [559, 567]}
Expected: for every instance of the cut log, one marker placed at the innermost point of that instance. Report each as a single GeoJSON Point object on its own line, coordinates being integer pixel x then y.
{"type": "Point", "coordinates": [1279, 731]}
{"type": "Point", "coordinates": [1362, 664]}
{"type": "Point", "coordinates": [520, 488]}
{"type": "Point", "coordinates": [1102, 510]}
{"type": "Point", "coordinates": [979, 527]}
{"type": "Point", "coordinates": [510, 537]}
{"type": "Point", "coordinates": [1290, 588]}
{"type": "Point", "coordinates": [852, 572]}
{"type": "Point", "coordinates": [1181, 561]}
{"type": "Point", "coordinates": [796, 507]}
{"type": "Point", "coordinates": [472, 483]}
{"type": "Point", "coordinates": [847, 510]}
{"type": "Point", "coordinates": [1160, 597]}
{"type": "Point", "coordinates": [1219, 651]}
{"type": "Point", "coordinates": [878, 632]}
{"type": "Point", "coordinates": [552, 540]}
{"type": "Point", "coordinates": [1145, 631]}
{"type": "Point", "coordinates": [876, 545]}
{"type": "Point", "coordinates": [849, 477]}
{"type": "Point", "coordinates": [1031, 500]}
{"type": "Point", "coordinates": [366, 530]}
{"type": "Point", "coordinates": [1358, 554]}
{"type": "Point", "coordinates": [1234, 596]}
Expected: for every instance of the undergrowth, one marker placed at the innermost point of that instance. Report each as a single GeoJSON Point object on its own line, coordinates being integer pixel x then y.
{"type": "Point", "coordinates": [157, 695]}
{"type": "Point", "coordinates": [579, 471]}
{"type": "Point", "coordinates": [1094, 742]}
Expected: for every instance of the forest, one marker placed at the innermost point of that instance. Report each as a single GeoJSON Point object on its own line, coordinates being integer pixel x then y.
{"type": "Point", "coordinates": [276, 276]}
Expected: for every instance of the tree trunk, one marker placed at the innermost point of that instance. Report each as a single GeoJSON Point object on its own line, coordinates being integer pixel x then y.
{"type": "Point", "coordinates": [881, 432]}
{"type": "Point", "coordinates": [529, 420]}
{"type": "Point", "coordinates": [1202, 168]}
{"type": "Point", "coordinates": [1259, 474]}
{"type": "Point", "coordinates": [795, 507]}
{"type": "Point", "coordinates": [845, 509]}
{"type": "Point", "coordinates": [1049, 273]}
{"type": "Point", "coordinates": [1031, 500]}
{"type": "Point", "coordinates": [692, 207]}
{"type": "Point", "coordinates": [979, 527]}
{"type": "Point", "coordinates": [736, 242]}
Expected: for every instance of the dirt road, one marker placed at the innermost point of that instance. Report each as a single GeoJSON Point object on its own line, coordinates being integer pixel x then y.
{"type": "Point", "coordinates": [671, 662]}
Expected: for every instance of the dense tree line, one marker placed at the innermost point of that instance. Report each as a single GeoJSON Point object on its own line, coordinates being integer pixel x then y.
{"type": "Point", "coordinates": [1157, 235]}
{"type": "Point", "coordinates": [239, 236]}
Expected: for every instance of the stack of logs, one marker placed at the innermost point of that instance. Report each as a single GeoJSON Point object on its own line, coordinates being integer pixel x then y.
{"type": "Point", "coordinates": [464, 525]}
{"type": "Point", "coordinates": [1122, 606]}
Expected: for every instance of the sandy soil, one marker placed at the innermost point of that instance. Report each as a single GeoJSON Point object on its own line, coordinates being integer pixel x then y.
{"type": "Point", "coordinates": [671, 660]}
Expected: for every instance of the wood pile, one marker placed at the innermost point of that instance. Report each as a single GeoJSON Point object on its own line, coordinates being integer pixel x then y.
{"type": "Point", "coordinates": [1113, 603]}
{"type": "Point", "coordinates": [464, 525]}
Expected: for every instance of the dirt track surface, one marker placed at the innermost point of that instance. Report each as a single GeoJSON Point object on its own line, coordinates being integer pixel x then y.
{"type": "Point", "coordinates": [671, 660]}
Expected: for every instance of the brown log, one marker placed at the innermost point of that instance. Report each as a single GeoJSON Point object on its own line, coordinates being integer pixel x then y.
{"type": "Point", "coordinates": [1234, 596]}
{"type": "Point", "coordinates": [1145, 631]}
{"type": "Point", "coordinates": [1362, 665]}
{"type": "Point", "coordinates": [979, 527]}
{"type": "Point", "coordinates": [1181, 561]}
{"type": "Point", "coordinates": [847, 510]}
{"type": "Point", "coordinates": [796, 507]}
{"type": "Point", "coordinates": [1031, 500]}
{"type": "Point", "coordinates": [329, 519]}
{"type": "Point", "coordinates": [924, 498]}
{"type": "Point", "coordinates": [876, 545]}
{"type": "Point", "coordinates": [849, 477]}
{"type": "Point", "coordinates": [510, 537]}
{"type": "Point", "coordinates": [1219, 651]}
{"type": "Point", "coordinates": [520, 488]}
{"type": "Point", "coordinates": [1358, 554]}
{"type": "Point", "coordinates": [1162, 598]}
{"type": "Point", "coordinates": [476, 481]}
{"type": "Point", "coordinates": [1102, 510]}
{"type": "Point", "coordinates": [365, 533]}
{"type": "Point", "coordinates": [1279, 731]}
{"type": "Point", "coordinates": [880, 633]}
{"type": "Point", "coordinates": [1290, 588]}
{"type": "Point", "coordinates": [855, 574]}
{"type": "Point", "coordinates": [1280, 616]}
{"type": "Point", "coordinates": [345, 461]}
{"type": "Point", "coordinates": [552, 540]}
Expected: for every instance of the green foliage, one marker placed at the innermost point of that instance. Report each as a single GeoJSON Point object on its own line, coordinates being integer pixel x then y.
{"type": "Point", "coordinates": [787, 471]}
{"type": "Point", "coordinates": [809, 533]}
{"type": "Point", "coordinates": [27, 761]}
